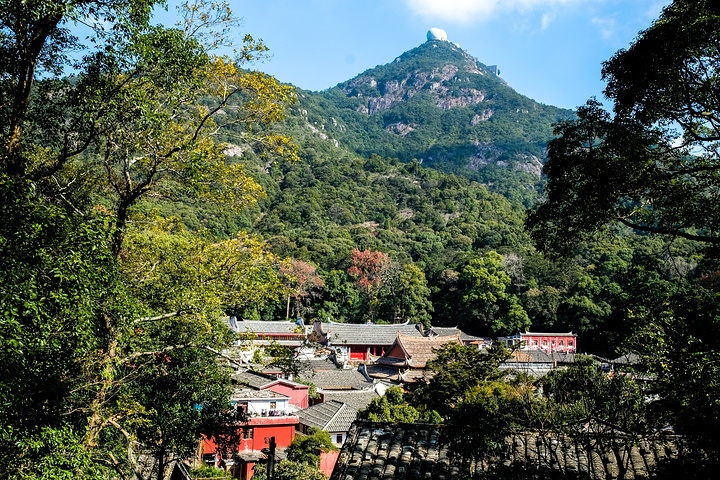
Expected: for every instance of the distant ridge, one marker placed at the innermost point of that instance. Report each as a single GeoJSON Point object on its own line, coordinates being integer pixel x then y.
{"type": "Point", "coordinates": [438, 104]}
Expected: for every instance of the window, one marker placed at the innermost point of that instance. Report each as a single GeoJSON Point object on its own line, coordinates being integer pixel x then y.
{"type": "Point", "coordinates": [338, 438]}
{"type": "Point", "coordinates": [535, 343]}
{"type": "Point", "coordinates": [248, 432]}
{"type": "Point", "coordinates": [273, 405]}
{"type": "Point", "coordinates": [570, 343]}
{"type": "Point", "coordinates": [544, 343]}
{"type": "Point", "coordinates": [561, 343]}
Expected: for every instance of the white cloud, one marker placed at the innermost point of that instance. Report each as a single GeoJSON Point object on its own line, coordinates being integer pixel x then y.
{"type": "Point", "coordinates": [547, 19]}
{"type": "Point", "coordinates": [607, 28]}
{"type": "Point", "coordinates": [467, 11]}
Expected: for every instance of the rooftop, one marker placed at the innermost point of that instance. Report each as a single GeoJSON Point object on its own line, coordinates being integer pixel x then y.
{"type": "Point", "coordinates": [418, 350]}
{"type": "Point", "coordinates": [358, 399]}
{"type": "Point", "coordinates": [249, 394]}
{"type": "Point", "coordinates": [450, 331]}
{"type": "Point", "coordinates": [366, 334]}
{"type": "Point", "coordinates": [415, 451]}
{"type": "Point", "coordinates": [338, 378]}
{"type": "Point", "coordinates": [331, 416]}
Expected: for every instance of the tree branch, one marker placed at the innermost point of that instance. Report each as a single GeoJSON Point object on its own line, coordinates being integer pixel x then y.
{"type": "Point", "coordinates": [160, 317]}
{"type": "Point", "coordinates": [669, 231]}
{"type": "Point", "coordinates": [179, 347]}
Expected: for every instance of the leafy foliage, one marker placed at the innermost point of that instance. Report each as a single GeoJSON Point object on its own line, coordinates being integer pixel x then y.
{"type": "Point", "coordinates": [307, 448]}
{"type": "Point", "coordinates": [110, 317]}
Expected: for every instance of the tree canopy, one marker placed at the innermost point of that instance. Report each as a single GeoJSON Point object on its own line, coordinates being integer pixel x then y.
{"type": "Point", "coordinates": [110, 329]}
{"type": "Point", "coordinates": [651, 164]}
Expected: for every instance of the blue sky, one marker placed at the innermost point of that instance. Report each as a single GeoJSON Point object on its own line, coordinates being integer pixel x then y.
{"type": "Point", "coordinates": [548, 50]}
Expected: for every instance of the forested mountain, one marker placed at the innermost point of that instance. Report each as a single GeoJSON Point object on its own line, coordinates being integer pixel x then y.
{"type": "Point", "coordinates": [158, 190]}
{"type": "Point", "coordinates": [424, 167]}
{"type": "Point", "coordinates": [441, 106]}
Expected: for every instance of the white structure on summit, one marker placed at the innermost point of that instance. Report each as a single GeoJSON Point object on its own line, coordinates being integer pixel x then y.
{"type": "Point", "coordinates": [437, 34]}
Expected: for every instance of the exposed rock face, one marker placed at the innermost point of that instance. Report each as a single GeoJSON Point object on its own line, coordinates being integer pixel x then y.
{"type": "Point", "coordinates": [530, 164]}
{"type": "Point", "coordinates": [469, 96]}
{"type": "Point", "coordinates": [392, 92]}
{"type": "Point", "coordinates": [233, 150]}
{"type": "Point", "coordinates": [485, 153]}
{"type": "Point", "coordinates": [399, 128]}
{"type": "Point", "coordinates": [486, 114]}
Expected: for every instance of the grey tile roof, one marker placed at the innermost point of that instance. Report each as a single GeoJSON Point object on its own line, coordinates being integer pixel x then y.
{"type": "Point", "coordinates": [338, 378]}
{"type": "Point", "coordinates": [253, 379]}
{"type": "Point", "coordinates": [260, 380]}
{"type": "Point", "coordinates": [358, 399]}
{"type": "Point", "coordinates": [260, 327]}
{"type": "Point", "coordinates": [321, 364]}
{"type": "Point", "coordinates": [331, 416]}
{"type": "Point", "coordinates": [384, 372]}
{"type": "Point", "coordinates": [449, 331]}
{"type": "Point", "coordinates": [366, 334]}
{"type": "Point", "coordinates": [415, 451]}
{"type": "Point", "coordinates": [249, 394]}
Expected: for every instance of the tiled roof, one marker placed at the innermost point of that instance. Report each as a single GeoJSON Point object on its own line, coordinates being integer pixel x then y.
{"type": "Point", "coordinates": [415, 451]}
{"type": "Point", "coordinates": [627, 359]}
{"type": "Point", "coordinates": [321, 364]}
{"type": "Point", "coordinates": [366, 334]}
{"type": "Point", "coordinates": [419, 350]}
{"type": "Point", "coordinates": [358, 399]}
{"type": "Point", "coordinates": [331, 416]}
{"type": "Point", "coordinates": [249, 394]}
{"type": "Point", "coordinates": [338, 378]}
{"type": "Point", "coordinates": [253, 379]}
{"type": "Point", "coordinates": [262, 327]}
{"type": "Point", "coordinates": [384, 372]}
{"type": "Point", "coordinates": [538, 356]}
{"type": "Point", "coordinates": [450, 331]}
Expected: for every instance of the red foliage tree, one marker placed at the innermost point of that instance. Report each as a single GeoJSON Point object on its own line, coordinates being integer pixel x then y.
{"type": "Point", "coordinates": [368, 270]}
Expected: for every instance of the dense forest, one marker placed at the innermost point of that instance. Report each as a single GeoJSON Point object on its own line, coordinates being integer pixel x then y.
{"type": "Point", "coordinates": [446, 229]}
{"type": "Point", "coordinates": [163, 186]}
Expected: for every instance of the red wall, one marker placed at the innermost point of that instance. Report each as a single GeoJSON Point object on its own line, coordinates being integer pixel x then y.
{"type": "Point", "coordinates": [328, 460]}
{"type": "Point", "coordinates": [298, 395]}
{"type": "Point", "coordinates": [552, 345]}
{"type": "Point", "coordinates": [282, 428]}
{"type": "Point", "coordinates": [358, 352]}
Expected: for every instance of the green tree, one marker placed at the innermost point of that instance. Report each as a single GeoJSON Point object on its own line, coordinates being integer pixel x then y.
{"type": "Point", "coordinates": [392, 407]}
{"type": "Point", "coordinates": [487, 295]}
{"type": "Point", "coordinates": [652, 166]}
{"type": "Point", "coordinates": [290, 470]}
{"type": "Point", "coordinates": [457, 369]}
{"type": "Point", "coordinates": [405, 295]}
{"type": "Point", "coordinates": [307, 448]}
{"type": "Point", "coordinates": [94, 319]}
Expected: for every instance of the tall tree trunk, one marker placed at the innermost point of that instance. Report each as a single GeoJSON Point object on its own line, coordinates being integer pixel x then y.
{"type": "Point", "coordinates": [29, 44]}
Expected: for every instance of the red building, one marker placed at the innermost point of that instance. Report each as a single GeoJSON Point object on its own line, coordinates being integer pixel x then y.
{"type": "Point", "coordinates": [268, 416]}
{"type": "Point", "coordinates": [297, 392]}
{"type": "Point", "coordinates": [546, 342]}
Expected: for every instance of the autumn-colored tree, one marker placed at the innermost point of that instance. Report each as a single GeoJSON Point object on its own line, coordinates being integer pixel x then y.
{"type": "Point", "coordinates": [369, 268]}
{"type": "Point", "coordinates": [302, 283]}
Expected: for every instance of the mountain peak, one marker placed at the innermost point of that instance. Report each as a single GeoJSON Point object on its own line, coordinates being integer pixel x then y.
{"type": "Point", "coordinates": [448, 74]}
{"type": "Point", "coordinates": [437, 104]}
